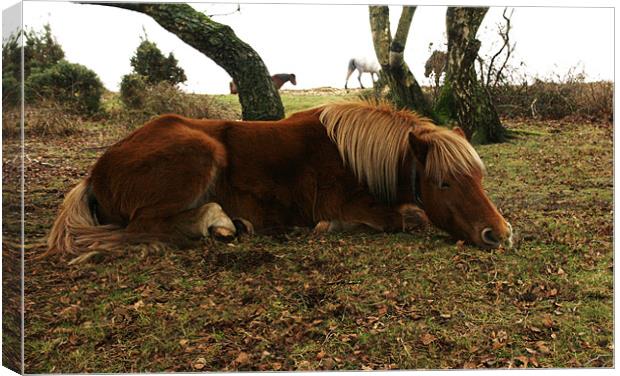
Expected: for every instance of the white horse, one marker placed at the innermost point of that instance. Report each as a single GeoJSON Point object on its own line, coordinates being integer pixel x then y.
{"type": "Point", "coordinates": [362, 65]}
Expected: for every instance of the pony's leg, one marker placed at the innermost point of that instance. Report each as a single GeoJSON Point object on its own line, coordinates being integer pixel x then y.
{"type": "Point", "coordinates": [359, 78]}
{"type": "Point", "coordinates": [335, 226]}
{"type": "Point", "coordinates": [243, 226]}
{"type": "Point", "coordinates": [413, 217]}
{"type": "Point", "coordinates": [361, 207]}
{"type": "Point", "coordinates": [349, 73]}
{"type": "Point", "coordinates": [209, 219]}
{"type": "Point", "coordinates": [192, 224]}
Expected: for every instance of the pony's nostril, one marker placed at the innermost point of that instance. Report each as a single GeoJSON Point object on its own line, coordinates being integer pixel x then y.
{"type": "Point", "coordinates": [488, 237]}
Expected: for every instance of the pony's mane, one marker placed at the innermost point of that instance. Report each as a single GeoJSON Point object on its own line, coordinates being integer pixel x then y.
{"type": "Point", "coordinates": [373, 139]}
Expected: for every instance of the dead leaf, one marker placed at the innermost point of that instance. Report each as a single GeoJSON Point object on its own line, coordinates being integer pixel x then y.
{"type": "Point", "coordinates": [547, 321]}
{"type": "Point", "coordinates": [542, 347]}
{"type": "Point", "coordinates": [382, 310]}
{"type": "Point", "coordinates": [470, 365]}
{"type": "Point", "coordinates": [427, 338]}
{"type": "Point", "coordinates": [523, 359]}
{"type": "Point", "coordinates": [242, 358]}
{"type": "Point", "coordinates": [320, 355]}
{"type": "Point", "coordinates": [531, 351]}
{"type": "Point", "coordinates": [200, 363]}
{"type": "Point", "coordinates": [65, 299]}
{"type": "Point", "coordinates": [303, 365]}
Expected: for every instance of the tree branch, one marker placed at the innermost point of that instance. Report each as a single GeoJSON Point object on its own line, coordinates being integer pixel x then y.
{"type": "Point", "coordinates": [381, 35]}
{"type": "Point", "coordinates": [259, 98]}
{"type": "Point", "coordinates": [402, 31]}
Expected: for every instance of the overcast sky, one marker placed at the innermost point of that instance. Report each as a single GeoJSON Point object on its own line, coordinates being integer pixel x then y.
{"type": "Point", "coordinates": [316, 41]}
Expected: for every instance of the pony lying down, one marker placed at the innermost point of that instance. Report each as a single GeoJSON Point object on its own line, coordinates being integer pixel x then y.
{"type": "Point", "coordinates": [176, 180]}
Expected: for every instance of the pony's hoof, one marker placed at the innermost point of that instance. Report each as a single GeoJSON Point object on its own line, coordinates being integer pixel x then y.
{"type": "Point", "coordinates": [222, 234]}
{"type": "Point", "coordinates": [243, 226]}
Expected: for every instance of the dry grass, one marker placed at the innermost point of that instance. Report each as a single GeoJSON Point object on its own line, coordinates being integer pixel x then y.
{"type": "Point", "coordinates": [165, 98]}
{"type": "Point", "coordinates": [47, 118]}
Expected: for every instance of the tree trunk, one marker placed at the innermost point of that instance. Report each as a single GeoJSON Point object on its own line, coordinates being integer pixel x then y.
{"type": "Point", "coordinates": [405, 90]}
{"type": "Point", "coordinates": [259, 98]}
{"type": "Point", "coordinates": [463, 98]}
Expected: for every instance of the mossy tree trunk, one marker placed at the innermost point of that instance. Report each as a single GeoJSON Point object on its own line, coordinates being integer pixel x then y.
{"type": "Point", "coordinates": [259, 98]}
{"type": "Point", "coordinates": [463, 98]}
{"type": "Point", "coordinates": [406, 91]}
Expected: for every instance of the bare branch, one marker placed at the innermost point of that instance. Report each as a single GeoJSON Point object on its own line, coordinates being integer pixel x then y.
{"type": "Point", "coordinates": [510, 49]}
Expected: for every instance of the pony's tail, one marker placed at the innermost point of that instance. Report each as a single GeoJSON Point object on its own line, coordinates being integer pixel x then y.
{"type": "Point", "coordinates": [76, 230]}
{"type": "Point", "coordinates": [351, 66]}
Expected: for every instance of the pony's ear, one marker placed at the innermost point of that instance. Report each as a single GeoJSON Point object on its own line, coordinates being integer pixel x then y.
{"type": "Point", "coordinates": [419, 147]}
{"type": "Point", "coordinates": [459, 131]}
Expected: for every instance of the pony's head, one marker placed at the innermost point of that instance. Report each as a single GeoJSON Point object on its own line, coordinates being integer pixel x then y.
{"type": "Point", "coordinates": [293, 79]}
{"type": "Point", "coordinates": [377, 141]}
{"type": "Point", "coordinates": [450, 188]}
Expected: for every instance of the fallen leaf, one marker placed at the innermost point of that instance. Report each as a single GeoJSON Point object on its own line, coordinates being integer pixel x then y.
{"type": "Point", "coordinates": [382, 310]}
{"type": "Point", "coordinates": [200, 363]}
{"type": "Point", "coordinates": [427, 338]}
{"type": "Point", "coordinates": [523, 359]}
{"type": "Point", "coordinates": [542, 347]}
{"type": "Point", "coordinates": [547, 321]}
{"type": "Point", "coordinates": [470, 365]}
{"type": "Point", "coordinates": [242, 358]}
{"type": "Point", "coordinates": [531, 351]}
{"type": "Point", "coordinates": [303, 365]}
{"type": "Point", "coordinates": [65, 299]}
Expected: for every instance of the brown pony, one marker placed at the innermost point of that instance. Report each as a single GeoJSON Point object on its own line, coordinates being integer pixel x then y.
{"type": "Point", "coordinates": [278, 80]}
{"type": "Point", "coordinates": [177, 179]}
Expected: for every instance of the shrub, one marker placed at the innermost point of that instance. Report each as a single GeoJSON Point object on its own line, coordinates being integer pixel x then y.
{"type": "Point", "coordinates": [132, 91]}
{"type": "Point", "coordinates": [556, 98]}
{"type": "Point", "coordinates": [41, 51]}
{"type": "Point", "coordinates": [11, 90]}
{"type": "Point", "coordinates": [149, 62]}
{"type": "Point", "coordinates": [68, 83]}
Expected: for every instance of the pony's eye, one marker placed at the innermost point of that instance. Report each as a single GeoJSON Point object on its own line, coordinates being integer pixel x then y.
{"type": "Point", "coordinates": [444, 185]}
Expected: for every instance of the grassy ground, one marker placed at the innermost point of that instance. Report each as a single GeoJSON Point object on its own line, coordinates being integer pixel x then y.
{"type": "Point", "coordinates": [298, 100]}
{"type": "Point", "coordinates": [345, 301]}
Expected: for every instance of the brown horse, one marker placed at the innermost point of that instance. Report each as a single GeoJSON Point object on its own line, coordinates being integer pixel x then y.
{"type": "Point", "coordinates": [177, 179]}
{"type": "Point", "coordinates": [278, 80]}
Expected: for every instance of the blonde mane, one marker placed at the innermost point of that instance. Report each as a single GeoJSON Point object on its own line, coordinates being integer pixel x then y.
{"type": "Point", "coordinates": [373, 140]}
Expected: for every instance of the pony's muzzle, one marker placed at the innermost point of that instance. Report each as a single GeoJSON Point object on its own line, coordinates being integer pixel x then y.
{"type": "Point", "coordinates": [492, 239]}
